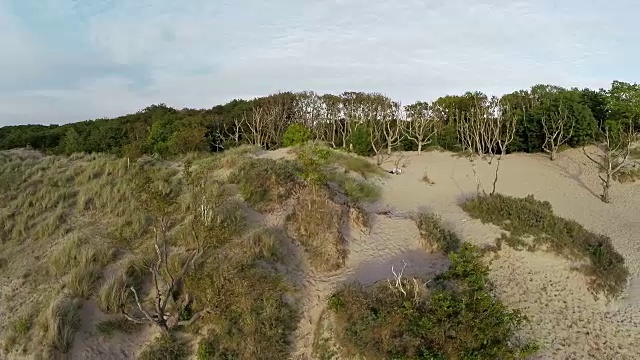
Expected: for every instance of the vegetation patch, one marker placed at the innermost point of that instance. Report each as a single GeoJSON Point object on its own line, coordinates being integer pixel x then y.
{"type": "Point", "coordinates": [59, 322]}
{"type": "Point", "coordinates": [166, 347]}
{"type": "Point", "coordinates": [317, 223]}
{"type": "Point", "coordinates": [122, 325]}
{"type": "Point", "coordinates": [249, 311]}
{"type": "Point", "coordinates": [452, 316]}
{"type": "Point", "coordinates": [532, 221]}
{"type": "Point", "coordinates": [434, 236]}
{"type": "Point", "coordinates": [265, 183]}
{"type": "Point", "coordinates": [113, 294]}
{"type": "Point", "coordinates": [628, 175]}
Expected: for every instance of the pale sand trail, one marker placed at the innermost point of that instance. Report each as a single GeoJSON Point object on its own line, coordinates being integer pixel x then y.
{"type": "Point", "coordinates": [565, 318]}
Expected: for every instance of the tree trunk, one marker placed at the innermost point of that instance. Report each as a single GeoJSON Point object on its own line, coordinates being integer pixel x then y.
{"type": "Point", "coordinates": [554, 153]}
{"type": "Point", "coordinates": [606, 185]}
{"type": "Point", "coordinates": [419, 148]}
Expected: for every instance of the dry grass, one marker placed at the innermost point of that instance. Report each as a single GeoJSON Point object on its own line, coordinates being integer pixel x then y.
{"type": "Point", "coordinates": [113, 294]}
{"type": "Point", "coordinates": [59, 322]}
{"type": "Point", "coordinates": [317, 224]}
{"type": "Point", "coordinates": [122, 325]}
{"type": "Point", "coordinates": [166, 347]}
{"type": "Point", "coordinates": [629, 175]}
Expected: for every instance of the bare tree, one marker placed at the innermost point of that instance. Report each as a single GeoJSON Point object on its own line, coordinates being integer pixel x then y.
{"type": "Point", "coordinates": [421, 124]}
{"type": "Point", "coordinates": [257, 124]}
{"type": "Point", "coordinates": [169, 298]}
{"type": "Point", "coordinates": [558, 129]}
{"type": "Point", "coordinates": [237, 128]}
{"type": "Point", "coordinates": [614, 150]}
{"type": "Point", "coordinates": [485, 132]}
{"type": "Point", "coordinates": [393, 124]}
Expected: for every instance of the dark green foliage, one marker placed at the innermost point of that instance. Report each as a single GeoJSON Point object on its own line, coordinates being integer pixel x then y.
{"type": "Point", "coordinates": [528, 217]}
{"type": "Point", "coordinates": [265, 182]}
{"type": "Point", "coordinates": [436, 237]}
{"type": "Point", "coordinates": [455, 317]}
{"type": "Point", "coordinates": [296, 134]}
{"type": "Point", "coordinates": [166, 347]}
{"type": "Point", "coordinates": [360, 141]}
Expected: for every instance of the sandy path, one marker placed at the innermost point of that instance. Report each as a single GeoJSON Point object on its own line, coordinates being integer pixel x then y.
{"type": "Point", "coordinates": [565, 317]}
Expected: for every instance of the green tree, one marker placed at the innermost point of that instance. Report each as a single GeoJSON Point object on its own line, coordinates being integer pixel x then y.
{"type": "Point", "coordinates": [296, 134]}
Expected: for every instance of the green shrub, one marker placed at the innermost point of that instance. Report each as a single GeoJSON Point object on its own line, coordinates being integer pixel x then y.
{"type": "Point", "coordinates": [455, 316]}
{"type": "Point", "coordinates": [357, 191]}
{"type": "Point", "coordinates": [434, 236]}
{"type": "Point", "coordinates": [166, 347]}
{"type": "Point", "coordinates": [527, 218]}
{"type": "Point", "coordinates": [265, 182]}
{"type": "Point", "coordinates": [296, 134]}
{"type": "Point", "coordinates": [360, 140]}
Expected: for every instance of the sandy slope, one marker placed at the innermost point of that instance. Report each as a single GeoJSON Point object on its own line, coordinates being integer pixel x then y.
{"type": "Point", "coordinates": [565, 317]}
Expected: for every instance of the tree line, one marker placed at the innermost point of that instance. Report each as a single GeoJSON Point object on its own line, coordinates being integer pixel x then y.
{"type": "Point", "coordinates": [544, 118]}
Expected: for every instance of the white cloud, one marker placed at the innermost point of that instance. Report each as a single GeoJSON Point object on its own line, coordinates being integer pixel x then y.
{"type": "Point", "coordinates": [203, 53]}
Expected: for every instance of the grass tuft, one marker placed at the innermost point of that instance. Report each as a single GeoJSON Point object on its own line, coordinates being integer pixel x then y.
{"type": "Point", "coordinates": [532, 221]}
{"type": "Point", "coordinates": [166, 347]}
{"type": "Point", "coordinates": [317, 224]}
{"type": "Point", "coordinates": [59, 322]}
{"type": "Point", "coordinates": [108, 327]}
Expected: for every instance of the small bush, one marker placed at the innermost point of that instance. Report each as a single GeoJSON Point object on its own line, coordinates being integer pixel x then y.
{"type": "Point", "coordinates": [360, 140]}
{"type": "Point", "coordinates": [296, 134]}
{"type": "Point", "coordinates": [247, 299]}
{"type": "Point", "coordinates": [454, 317]}
{"type": "Point", "coordinates": [356, 164]}
{"type": "Point", "coordinates": [316, 224]}
{"type": "Point", "coordinates": [628, 175]}
{"type": "Point", "coordinates": [265, 182]}
{"type": "Point", "coordinates": [59, 322]}
{"type": "Point", "coordinates": [434, 236]}
{"type": "Point", "coordinates": [166, 347]}
{"type": "Point", "coordinates": [528, 218]}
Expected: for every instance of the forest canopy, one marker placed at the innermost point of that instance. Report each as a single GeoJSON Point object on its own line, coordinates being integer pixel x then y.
{"type": "Point", "coordinates": [363, 122]}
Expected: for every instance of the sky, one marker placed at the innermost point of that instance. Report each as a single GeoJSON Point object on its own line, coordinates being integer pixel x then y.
{"type": "Point", "coordinates": [71, 60]}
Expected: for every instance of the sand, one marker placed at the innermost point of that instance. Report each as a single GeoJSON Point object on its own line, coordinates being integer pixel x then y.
{"type": "Point", "coordinates": [566, 319]}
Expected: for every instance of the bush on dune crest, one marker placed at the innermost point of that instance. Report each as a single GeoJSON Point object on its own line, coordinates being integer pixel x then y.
{"type": "Point", "coordinates": [453, 316]}
{"type": "Point", "coordinates": [528, 217]}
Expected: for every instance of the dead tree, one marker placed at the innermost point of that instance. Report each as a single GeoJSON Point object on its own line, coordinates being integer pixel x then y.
{"type": "Point", "coordinates": [558, 129]}
{"type": "Point", "coordinates": [393, 124]}
{"type": "Point", "coordinates": [614, 150]}
{"type": "Point", "coordinates": [169, 298]}
{"type": "Point", "coordinates": [236, 132]}
{"type": "Point", "coordinates": [421, 124]}
{"type": "Point", "coordinates": [257, 124]}
{"type": "Point", "coordinates": [485, 132]}
{"type": "Point", "coordinates": [377, 141]}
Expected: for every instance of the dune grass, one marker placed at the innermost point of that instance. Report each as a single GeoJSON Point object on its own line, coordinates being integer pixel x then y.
{"type": "Point", "coordinates": [265, 183]}
{"type": "Point", "coordinates": [58, 323]}
{"type": "Point", "coordinates": [113, 294]}
{"type": "Point", "coordinates": [629, 175]}
{"type": "Point", "coordinates": [247, 298]}
{"type": "Point", "coordinates": [451, 316]}
{"type": "Point", "coordinates": [530, 218]}
{"type": "Point", "coordinates": [317, 225]}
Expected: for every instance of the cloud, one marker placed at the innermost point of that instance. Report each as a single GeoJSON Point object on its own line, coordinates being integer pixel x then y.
{"type": "Point", "coordinates": [120, 56]}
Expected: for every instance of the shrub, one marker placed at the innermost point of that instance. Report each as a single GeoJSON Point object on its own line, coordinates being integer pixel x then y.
{"type": "Point", "coordinates": [316, 224]}
{"type": "Point", "coordinates": [454, 317]}
{"type": "Point", "coordinates": [434, 236]}
{"type": "Point", "coordinates": [246, 298]}
{"type": "Point", "coordinates": [166, 346]}
{"type": "Point", "coordinates": [265, 182]}
{"type": "Point", "coordinates": [356, 191]}
{"type": "Point", "coordinates": [360, 140]}
{"type": "Point", "coordinates": [296, 134]}
{"type": "Point", "coordinates": [527, 217]}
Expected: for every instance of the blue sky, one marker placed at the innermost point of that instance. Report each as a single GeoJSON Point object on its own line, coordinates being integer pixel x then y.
{"type": "Point", "coordinates": [69, 60]}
